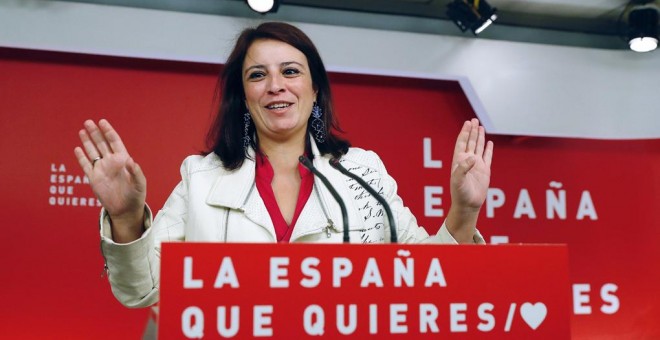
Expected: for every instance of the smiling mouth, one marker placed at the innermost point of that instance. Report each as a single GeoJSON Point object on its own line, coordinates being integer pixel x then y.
{"type": "Point", "coordinates": [278, 106]}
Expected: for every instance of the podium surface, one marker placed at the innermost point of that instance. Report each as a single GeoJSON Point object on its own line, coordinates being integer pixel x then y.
{"type": "Point", "coordinates": [233, 290]}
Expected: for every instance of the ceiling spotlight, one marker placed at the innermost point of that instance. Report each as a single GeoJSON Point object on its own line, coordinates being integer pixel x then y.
{"type": "Point", "coordinates": [474, 15]}
{"type": "Point", "coordinates": [263, 6]}
{"type": "Point", "coordinates": [643, 29]}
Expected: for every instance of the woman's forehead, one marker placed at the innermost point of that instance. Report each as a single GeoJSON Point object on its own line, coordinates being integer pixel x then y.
{"type": "Point", "coordinates": [268, 52]}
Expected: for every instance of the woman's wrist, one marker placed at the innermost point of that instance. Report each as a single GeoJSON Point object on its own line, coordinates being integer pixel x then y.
{"type": "Point", "coordinates": [461, 223]}
{"type": "Point", "coordinates": [127, 227]}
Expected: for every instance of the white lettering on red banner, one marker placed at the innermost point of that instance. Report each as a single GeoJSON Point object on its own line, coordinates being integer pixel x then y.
{"type": "Point", "coordinates": [62, 187]}
{"type": "Point", "coordinates": [346, 290]}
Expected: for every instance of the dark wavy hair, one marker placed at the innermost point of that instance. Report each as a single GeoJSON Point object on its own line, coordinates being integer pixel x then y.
{"type": "Point", "coordinates": [225, 136]}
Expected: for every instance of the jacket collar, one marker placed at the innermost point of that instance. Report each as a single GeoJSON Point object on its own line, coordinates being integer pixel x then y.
{"type": "Point", "coordinates": [234, 190]}
{"type": "Point", "coordinates": [240, 182]}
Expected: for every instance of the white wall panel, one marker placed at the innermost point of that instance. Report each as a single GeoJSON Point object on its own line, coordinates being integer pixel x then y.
{"type": "Point", "coordinates": [516, 88]}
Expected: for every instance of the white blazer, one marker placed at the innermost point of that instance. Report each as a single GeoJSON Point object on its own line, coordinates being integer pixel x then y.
{"type": "Point", "coordinates": [212, 204]}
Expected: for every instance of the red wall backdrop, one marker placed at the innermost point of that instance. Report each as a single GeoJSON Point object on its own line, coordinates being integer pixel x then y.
{"type": "Point", "coordinates": [50, 260]}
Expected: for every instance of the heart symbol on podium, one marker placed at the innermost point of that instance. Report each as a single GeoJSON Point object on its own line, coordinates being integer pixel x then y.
{"type": "Point", "coordinates": [533, 314]}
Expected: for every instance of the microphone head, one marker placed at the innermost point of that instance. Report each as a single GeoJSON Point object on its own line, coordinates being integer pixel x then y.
{"type": "Point", "coordinates": [334, 162]}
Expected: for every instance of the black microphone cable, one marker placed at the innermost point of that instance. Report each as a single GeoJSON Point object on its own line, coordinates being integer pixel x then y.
{"type": "Point", "coordinates": [344, 215]}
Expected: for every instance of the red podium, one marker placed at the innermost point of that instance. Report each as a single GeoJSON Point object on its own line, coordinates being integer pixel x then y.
{"type": "Point", "coordinates": [211, 290]}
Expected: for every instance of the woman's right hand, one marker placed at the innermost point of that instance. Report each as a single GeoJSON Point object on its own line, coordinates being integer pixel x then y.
{"type": "Point", "coordinates": [115, 178]}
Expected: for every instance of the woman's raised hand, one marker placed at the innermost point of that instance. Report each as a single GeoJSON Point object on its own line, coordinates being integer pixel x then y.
{"type": "Point", "coordinates": [115, 178]}
{"type": "Point", "coordinates": [470, 177]}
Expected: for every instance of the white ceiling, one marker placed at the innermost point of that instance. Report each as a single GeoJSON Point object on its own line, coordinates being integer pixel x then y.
{"type": "Point", "coordinates": [591, 16]}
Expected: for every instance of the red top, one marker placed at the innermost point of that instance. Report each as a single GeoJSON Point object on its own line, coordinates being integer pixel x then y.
{"type": "Point", "coordinates": [264, 178]}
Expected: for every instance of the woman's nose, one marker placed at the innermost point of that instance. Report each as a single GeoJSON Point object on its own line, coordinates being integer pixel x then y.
{"type": "Point", "coordinates": [276, 84]}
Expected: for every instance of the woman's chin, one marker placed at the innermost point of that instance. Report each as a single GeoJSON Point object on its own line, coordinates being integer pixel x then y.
{"type": "Point", "coordinates": [285, 132]}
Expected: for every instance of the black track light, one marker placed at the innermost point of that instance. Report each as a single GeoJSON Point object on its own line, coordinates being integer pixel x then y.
{"type": "Point", "coordinates": [474, 15]}
{"type": "Point", "coordinates": [643, 28]}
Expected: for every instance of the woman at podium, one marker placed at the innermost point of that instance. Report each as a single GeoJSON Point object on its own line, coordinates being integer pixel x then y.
{"type": "Point", "coordinates": [251, 185]}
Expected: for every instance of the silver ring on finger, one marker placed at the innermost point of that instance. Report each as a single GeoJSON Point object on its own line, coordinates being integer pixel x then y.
{"type": "Point", "coordinates": [95, 160]}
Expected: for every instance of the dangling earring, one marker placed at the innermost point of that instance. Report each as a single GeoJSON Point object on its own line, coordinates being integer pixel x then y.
{"type": "Point", "coordinates": [246, 129]}
{"type": "Point", "coordinates": [317, 124]}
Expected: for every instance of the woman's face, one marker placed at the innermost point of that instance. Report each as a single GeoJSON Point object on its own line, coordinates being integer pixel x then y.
{"type": "Point", "coordinates": [278, 90]}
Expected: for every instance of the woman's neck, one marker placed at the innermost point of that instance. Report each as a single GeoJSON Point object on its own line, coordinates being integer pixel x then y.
{"type": "Point", "coordinates": [283, 156]}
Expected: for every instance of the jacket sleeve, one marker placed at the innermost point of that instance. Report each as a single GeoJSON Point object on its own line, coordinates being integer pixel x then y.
{"type": "Point", "coordinates": [408, 231]}
{"type": "Point", "coordinates": [134, 268]}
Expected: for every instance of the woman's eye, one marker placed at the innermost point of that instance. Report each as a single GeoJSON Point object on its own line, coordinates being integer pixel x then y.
{"type": "Point", "coordinates": [291, 72]}
{"type": "Point", "coordinates": [256, 75]}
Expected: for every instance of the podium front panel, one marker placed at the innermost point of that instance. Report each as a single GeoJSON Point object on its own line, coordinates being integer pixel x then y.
{"type": "Point", "coordinates": [214, 290]}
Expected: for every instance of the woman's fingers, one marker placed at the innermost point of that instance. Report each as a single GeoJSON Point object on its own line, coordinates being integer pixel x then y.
{"type": "Point", "coordinates": [481, 141]}
{"type": "Point", "coordinates": [471, 139]}
{"type": "Point", "coordinates": [488, 153]}
{"type": "Point", "coordinates": [112, 137]}
{"type": "Point", "coordinates": [462, 139]}
{"type": "Point", "coordinates": [97, 137]}
{"type": "Point", "coordinates": [136, 175]}
{"type": "Point", "coordinates": [474, 134]}
{"type": "Point", "coordinates": [98, 141]}
{"type": "Point", "coordinates": [84, 162]}
{"type": "Point", "coordinates": [88, 144]}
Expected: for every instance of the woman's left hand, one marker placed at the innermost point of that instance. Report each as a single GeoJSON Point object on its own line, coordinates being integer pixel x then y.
{"type": "Point", "coordinates": [470, 177]}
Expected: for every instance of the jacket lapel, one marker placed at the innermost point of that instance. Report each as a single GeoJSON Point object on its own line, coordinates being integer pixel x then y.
{"type": "Point", "coordinates": [231, 189]}
{"type": "Point", "coordinates": [236, 190]}
{"type": "Point", "coordinates": [312, 217]}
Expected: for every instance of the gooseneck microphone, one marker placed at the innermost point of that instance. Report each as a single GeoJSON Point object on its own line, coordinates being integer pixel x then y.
{"type": "Point", "coordinates": [335, 164]}
{"type": "Point", "coordinates": [305, 162]}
